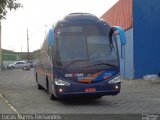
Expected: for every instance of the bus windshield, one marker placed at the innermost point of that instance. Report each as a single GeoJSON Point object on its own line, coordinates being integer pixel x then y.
{"type": "Point", "coordinates": [89, 43]}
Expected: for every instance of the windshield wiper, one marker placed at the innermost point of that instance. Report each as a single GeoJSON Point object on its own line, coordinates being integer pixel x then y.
{"type": "Point", "coordinates": [74, 62]}
{"type": "Point", "coordinates": [99, 64]}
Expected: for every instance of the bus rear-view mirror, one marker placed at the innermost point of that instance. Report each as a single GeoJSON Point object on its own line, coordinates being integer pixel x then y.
{"type": "Point", "coordinates": [120, 31]}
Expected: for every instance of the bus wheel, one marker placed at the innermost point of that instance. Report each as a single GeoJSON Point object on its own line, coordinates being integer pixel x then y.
{"type": "Point", "coordinates": [52, 97]}
{"type": "Point", "coordinates": [97, 97]}
{"type": "Point", "coordinates": [40, 87]}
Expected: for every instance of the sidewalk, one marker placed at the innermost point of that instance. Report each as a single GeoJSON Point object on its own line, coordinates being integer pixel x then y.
{"type": "Point", "coordinates": [4, 107]}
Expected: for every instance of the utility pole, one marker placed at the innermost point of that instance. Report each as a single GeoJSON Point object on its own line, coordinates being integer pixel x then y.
{"type": "Point", "coordinates": [21, 49]}
{"type": "Point", "coordinates": [0, 49]}
{"type": "Point", "coordinates": [28, 56]}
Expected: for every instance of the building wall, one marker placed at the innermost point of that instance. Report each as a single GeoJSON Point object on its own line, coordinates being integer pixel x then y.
{"type": "Point", "coordinates": [129, 57]}
{"type": "Point", "coordinates": [142, 51]}
{"type": "Point", "coordinates": [146, 32]}
{"type": "Point", "coordinates": [9, 57]}
{"type": "Point", "coordinates": [127, 63]}
{"type": "Point", "coordinates": [120, 14]}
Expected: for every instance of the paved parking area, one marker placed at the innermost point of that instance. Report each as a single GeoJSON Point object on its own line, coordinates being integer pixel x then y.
{"type": "Point", "coordinates": [5, 107]}
{"type": "Point", "coordinates": [136, 97]}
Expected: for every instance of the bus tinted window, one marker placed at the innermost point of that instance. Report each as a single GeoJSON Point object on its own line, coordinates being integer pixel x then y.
{"type": "Point", "coordinates": [71, 29]}
{"type": "Point", "coordinates": [87, 42]}
{"type": "Point", "coordinates": [72, 47]}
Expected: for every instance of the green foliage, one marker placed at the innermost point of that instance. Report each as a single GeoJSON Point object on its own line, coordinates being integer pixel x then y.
{"type": "Point", "coordinates": [6, 5]}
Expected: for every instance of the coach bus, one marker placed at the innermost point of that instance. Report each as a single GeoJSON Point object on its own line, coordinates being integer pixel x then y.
{"type": "Point", "coordinates": [79, 58]}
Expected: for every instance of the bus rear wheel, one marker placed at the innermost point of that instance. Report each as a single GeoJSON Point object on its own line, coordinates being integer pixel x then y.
{"type": "Point", "coordinates": [40, 87]}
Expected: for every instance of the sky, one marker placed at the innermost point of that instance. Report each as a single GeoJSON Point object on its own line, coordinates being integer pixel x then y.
{"type": "Point", "coordinates": [39, 15]}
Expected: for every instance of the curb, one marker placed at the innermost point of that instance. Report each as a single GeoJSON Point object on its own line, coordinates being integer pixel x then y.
{"type": "Point", "coordinates": [9, 104]}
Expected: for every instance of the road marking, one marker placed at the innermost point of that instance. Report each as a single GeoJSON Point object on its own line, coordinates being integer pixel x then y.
{"type": "Point", "coordinates": [10, 106]}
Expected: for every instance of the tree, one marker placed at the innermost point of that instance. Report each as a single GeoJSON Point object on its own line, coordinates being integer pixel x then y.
{"type": "Point", "coordinates": [6, 5]}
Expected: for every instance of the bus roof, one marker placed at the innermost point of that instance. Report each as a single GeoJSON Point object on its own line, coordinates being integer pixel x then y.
{"type": "Point", "coordinates": [81, 18]}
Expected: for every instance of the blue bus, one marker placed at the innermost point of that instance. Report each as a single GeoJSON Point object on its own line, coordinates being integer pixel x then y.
{"type": "Point", "coordinates": [79, 58]}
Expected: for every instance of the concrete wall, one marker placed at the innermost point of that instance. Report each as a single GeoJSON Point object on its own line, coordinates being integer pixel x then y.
{"type": "Point", "coordinates": [126, 61]}
{"type": "Point", "coordinates": [9, 57]}
{"type": "Point", "coordinates": [146, 24]}
{"type": "Point", "coordinates": [129, 66]}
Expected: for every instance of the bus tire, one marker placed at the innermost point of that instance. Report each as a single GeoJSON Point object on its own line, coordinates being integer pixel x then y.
{"type": "Point", "coordinates": [52, 97]}
{"type": "Point", "coordinates": [47, 84]}
{"type": "Point", "coordinates": [97, 97]}
{"type": "Point", "coordinates": [40, 87]}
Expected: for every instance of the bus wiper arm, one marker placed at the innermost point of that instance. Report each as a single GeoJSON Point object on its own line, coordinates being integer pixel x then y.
{"type": "Point", "coordinates": [107, 64]}
{"type": "Point", "coordinates": [74, 62]}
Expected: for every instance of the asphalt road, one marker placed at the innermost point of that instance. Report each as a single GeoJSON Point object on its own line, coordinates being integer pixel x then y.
{"type": "Point", "coordinates": [137, 97]}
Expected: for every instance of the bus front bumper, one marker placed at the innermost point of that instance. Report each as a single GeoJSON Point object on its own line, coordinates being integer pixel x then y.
{"type": "Point", "coordinates": [87, 90]}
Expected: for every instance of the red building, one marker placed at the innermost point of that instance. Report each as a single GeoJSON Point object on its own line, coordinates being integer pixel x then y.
{"type": "Point", "coordinates": [120, 14]}
{"type": "Point", "coordinates": [140, 19]}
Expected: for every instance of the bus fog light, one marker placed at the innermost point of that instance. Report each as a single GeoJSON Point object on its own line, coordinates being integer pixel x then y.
{"type": "Point", "coordinates": [116, 87]}
{"type": "Point", "coordinates": [60, 90]}
{"type": "Point", "coordinates": [115, 80]}
{"type": "Point", "coordinates": [61, 82]}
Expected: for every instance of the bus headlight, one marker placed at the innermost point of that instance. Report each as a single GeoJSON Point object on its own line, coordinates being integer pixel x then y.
{"type": "Point", "coordinates": [115, 80]}
{"type": "Point", "coordinates": [61, 82]}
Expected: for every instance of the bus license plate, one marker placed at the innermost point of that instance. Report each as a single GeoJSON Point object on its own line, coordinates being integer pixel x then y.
{"type": "Point", "coordinates": [90, 90]}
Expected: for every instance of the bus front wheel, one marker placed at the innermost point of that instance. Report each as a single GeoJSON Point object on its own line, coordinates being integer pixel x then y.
{"type": "Point", "coordinates": [52, 97]}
